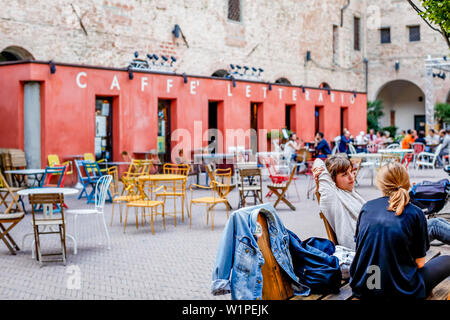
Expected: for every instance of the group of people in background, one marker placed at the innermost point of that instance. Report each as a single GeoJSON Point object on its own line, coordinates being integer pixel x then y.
{"type": "Point", "coordinates": [370, 142]}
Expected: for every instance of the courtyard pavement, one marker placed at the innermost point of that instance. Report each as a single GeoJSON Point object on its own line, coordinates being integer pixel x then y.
{"type": "Point", "coordinates": [175, 263]}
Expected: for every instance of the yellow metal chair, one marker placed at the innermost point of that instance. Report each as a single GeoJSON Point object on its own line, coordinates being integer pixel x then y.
{"type": "Point", "coordinates": [175, 189]}
{"type": "Point", "coordinates": [218, 190]}
{"type": "Point", "coordinates": [130, 192]}
{"type": "Point", "coordinates": [223, 178]}
{"type": "Point", "coordinates": [145, 202]}
{"type": "Point", "coordinates": [136, 169]}
{"type": "Point", "coordinates": [53, 161]}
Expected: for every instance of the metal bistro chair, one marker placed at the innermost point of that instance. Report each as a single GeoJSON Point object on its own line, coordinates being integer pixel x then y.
{"type": "Point", "coordinates": [209, 202]}
{"type": "Point", "coordinates": [144, 202]}
{"type": "Point", "coordinates": [43, 224]}
{"type": "Point", "coordinates": [101, 190]}
{"type": "Point", "coordinates": [175, 189]}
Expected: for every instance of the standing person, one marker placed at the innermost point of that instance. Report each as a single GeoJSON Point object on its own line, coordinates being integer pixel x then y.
{"type": "Point", "coordinates": [321, 145]}
{"type": "Point", "coordinates": [392, 239]}
{"type": "Point", "coordinates": [345, 140]}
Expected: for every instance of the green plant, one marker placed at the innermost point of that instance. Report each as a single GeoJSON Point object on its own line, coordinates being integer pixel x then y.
{"type": "Point", "coordinates": [442, 112]}
{"type": "Point", "coordinates": [392, 130]}
{"type": "Point", "coordinates": [374, 113]}
{"type": "Point", "coordinates": [436, 14]}
{"type": "Point", "coordinates": [276, 134]}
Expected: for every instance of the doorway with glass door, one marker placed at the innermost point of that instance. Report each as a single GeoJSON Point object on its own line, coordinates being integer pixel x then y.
{"type": "Point", "coordinates": [103, 128]}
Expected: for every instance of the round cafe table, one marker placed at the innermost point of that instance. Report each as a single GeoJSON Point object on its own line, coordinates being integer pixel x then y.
{"type": "Point", "coordinates": [37, 173]}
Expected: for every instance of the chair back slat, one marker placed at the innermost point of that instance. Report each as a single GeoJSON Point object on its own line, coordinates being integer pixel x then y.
{"type": "Point", "coordinates": [114, 186]}
{"type": "Point", "coordinates": [49, 202]}
{"type": "Point", "coordinates": [53, 171]}
{"type": "Point", "coordinates": [101, 191]}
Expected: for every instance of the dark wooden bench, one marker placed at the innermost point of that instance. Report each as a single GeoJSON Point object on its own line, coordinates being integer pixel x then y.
{"type": "Point", "coordinates": [276, 283]}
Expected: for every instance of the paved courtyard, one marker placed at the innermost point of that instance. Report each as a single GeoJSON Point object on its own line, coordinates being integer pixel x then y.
{"type": "Point", "coordinates": [175, 263]}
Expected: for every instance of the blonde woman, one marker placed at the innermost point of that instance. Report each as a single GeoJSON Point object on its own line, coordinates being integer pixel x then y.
{"type": "Point", "coordinates": [391, 243]}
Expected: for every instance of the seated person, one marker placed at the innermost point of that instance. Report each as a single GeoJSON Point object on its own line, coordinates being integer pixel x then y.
{"type": "Point", "coordinates": [345, 141]}
{"type": "Point", "coordinates": [421, 138]}
{"type": "Point", "coordinates": [387, 137]}
{"type": "Point", "coordinates": [291, 147]}
{"type": "Point", "coordinates": [361, 142]}
{"type": "Point", "coordinates": [321, 146]}
{"type": "Point", "coordinates": [180, 159]}
{"type": "Point", "coordinates": [341, 204]}
{"type": "Point", "coordinates": [392, 238]}
{"type": "Point", "coordinates": [408, 140]}
{"type": "Point", "coordinates": [445, 135]}
{"type": "Point", "coordinates": [432, 140]}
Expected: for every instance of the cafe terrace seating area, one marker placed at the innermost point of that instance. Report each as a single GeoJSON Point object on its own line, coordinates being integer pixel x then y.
{"type": "Point", "coordinates": [133, 225]}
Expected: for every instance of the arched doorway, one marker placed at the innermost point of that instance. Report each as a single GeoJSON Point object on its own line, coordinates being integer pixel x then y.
{"type": "Point", "coordinates": [221, 73]}
{"type": "Point", "coordinates": [404, 105]}
{"type": "Point", "coordinates": [282, 81]}
{"type": "Point", "coordinates": [324, 85]}
{"type": "Point", "coordinates": [15, 53]}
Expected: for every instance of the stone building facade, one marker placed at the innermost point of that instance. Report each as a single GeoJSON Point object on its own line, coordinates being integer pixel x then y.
{"type": "Point", "coordinates": [342, 38]}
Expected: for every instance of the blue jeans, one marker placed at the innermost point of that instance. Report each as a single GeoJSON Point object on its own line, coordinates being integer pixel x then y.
{"type": "Point", "coordinates": [439, 229]}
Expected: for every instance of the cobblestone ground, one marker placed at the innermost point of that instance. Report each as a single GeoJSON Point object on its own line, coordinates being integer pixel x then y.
{"type": "Point", "coordinates": [175, 263]}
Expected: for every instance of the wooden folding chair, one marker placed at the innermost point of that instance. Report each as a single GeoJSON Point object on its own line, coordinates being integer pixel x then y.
{"type": "Point", "coordinates": [43, 224]}
{"type": "Point", "coordinates": [280, 189]}
{"type": "Point", "coordinates": [330, 232]}
{"type": "Point", "coordinates": [8, 216]}
{"type": "Point", "coordinates": [250, 184]}
{"type": "Point", "coordinates": [8, 197]}
{"type": "Point", "coordinates": [356, 163]}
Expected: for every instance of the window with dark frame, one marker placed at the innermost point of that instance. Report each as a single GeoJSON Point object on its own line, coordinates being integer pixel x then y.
{"type": "Point", "coordinates": [414, 33]}
{"type": "Point", "coordinates": [385, 35]}
{"type": "Point", "coordinates": [234, 10]}
{"type": "Point", "coordinates": [356, 27]}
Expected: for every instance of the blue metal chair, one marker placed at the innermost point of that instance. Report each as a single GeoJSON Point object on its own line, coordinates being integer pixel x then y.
{"type": "Point", "coordinates": [82, 179]}
{"type": "Point", "coordinates": [93, 175]}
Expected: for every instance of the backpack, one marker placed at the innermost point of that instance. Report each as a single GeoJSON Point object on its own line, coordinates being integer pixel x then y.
{"type": "Point", "coordinates": [314, 263]}
{"type": "Point", "coordinates": [430, 196]}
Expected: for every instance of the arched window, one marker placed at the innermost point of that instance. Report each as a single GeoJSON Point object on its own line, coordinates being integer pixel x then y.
{"type": "Point", "coordinates": [282, 81]}
{"type": "Point", "coordinates": [14, 53]}
{"type": "Point", "coordinates": [221, 73]}
{"type": "Point", "coordinates": [324, 85]}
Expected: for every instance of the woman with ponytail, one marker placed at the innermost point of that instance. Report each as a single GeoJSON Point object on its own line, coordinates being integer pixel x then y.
{"type": "Point", "coordinates": [391, 244]}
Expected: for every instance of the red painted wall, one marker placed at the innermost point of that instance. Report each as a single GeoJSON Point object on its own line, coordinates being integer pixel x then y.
{"type": "Point", "coordinates": [68, 110]}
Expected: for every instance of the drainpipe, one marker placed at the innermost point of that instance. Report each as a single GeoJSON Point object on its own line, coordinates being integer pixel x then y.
{"type": "Point", "coordinates": [366, 70]}
{"type": "Point", "coordinates": [342, 12]}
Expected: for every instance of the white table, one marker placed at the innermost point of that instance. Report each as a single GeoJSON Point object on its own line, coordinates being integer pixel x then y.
{"type": "Point", "coordinates": [65, 191]}
{"type": "Point", "coordinates": [27, 172]}
{"type": "Point", "coordinates": [396, 151]}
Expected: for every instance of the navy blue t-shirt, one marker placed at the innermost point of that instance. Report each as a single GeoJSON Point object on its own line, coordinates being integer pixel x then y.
{"type": "Point", "coordinates": [392, 243]}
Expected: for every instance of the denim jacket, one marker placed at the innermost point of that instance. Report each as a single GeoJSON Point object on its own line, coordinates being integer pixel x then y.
{"type": "Point", "coordinates": [239, 256]}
